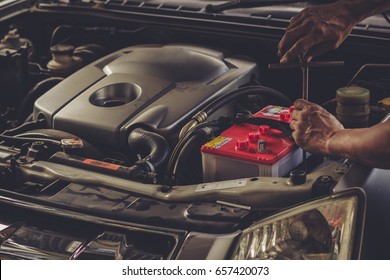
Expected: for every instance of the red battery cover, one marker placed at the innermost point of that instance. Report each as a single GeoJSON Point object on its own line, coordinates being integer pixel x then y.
{"type": "Point", "coordinates": [242, 142]}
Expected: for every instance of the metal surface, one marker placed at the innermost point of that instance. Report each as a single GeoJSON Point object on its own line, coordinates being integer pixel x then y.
{"type": "Point", "coordinates": [305, 96]}
{"type": "Point", "coordinates": [258, 192]}
{"type": "Point", "coordinates": [314, 64]}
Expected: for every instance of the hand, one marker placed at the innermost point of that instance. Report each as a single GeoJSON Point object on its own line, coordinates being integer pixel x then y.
{"type": "Point", "coordinates": [316, 30]}
{"type": "Point", "coordinates": [313, 127]}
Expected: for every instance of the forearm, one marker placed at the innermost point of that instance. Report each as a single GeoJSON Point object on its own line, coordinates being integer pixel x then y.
{"type": "Point", "coordinates": [368, 146]}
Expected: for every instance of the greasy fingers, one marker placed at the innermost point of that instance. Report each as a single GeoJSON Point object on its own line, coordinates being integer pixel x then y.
{"type": "Point", "coordinates": [311, 38]}
{"type": "Point", "coordinates": [294, 32]}
{"type": "Point", "coordinates": [295, 115]}
{"type": "Point", "coordinates": [293, 125]}
{"type": "Point", "coordinates": [300, 104]}
{"type": "Point", "coordinates": [291, 38]}
{"type": "Point", "coordinates": [300, 48]}
{"type": "Point", "coordinates": [314, 31]}
{"type": "Point", "coordinates": [312, 126]}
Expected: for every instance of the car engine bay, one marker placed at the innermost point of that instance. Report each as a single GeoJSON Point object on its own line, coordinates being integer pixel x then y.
{"type": "Point", "coordinates": [143, 122]}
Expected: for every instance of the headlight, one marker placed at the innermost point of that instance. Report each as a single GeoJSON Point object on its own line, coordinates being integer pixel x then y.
{"type": "Point", "coordinates": [328, 228]}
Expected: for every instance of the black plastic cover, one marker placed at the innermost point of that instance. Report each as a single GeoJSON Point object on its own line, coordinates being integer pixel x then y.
{"type": "Point", "coordinates": [160, 87]}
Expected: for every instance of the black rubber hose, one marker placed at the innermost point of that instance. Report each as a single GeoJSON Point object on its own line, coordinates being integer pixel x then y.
{"type": "Point", "coordinates": [198, 138]}
{"type": "Point", "coordinates": [90, 52]}
{"type": "Point", "coordinates": [271, 93]}
{"type": "Point", "coordinates": [20, 140]}
{"type": "Point", "coordinates": [68, 30]}
{"type": "Point", "coordinates": [37, 91]}
{"type": "Point", "coordinates": [182, 142]}
{"type": "Point", "coordinates": [152, 146]}
{"type": "Point", "coordinates": [27, 126]}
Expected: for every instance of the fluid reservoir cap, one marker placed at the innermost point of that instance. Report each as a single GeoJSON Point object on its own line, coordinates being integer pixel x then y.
{"type": "Point", "coordinates": [352, 95]}
{"type": "Point", "coordinates": [14, 41]}
{"type": "Point", "coordinates": [63, 59]}
{"type": "Point", "coordinates": [72, 143]}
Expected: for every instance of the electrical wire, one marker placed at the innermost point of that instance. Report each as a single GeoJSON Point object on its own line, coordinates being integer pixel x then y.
{"type": "Point", "coordinates": [21, 140]}
{"type": "Point", "coordinates": [176, 151]}
{"type": "Point", "coordinates": [271, 93]}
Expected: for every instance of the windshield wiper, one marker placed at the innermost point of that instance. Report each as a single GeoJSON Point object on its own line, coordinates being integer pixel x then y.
{"type": "Point", "coordinates": [211, 8]}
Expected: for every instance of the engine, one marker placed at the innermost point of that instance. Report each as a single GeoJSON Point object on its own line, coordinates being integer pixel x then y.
{"type": "Point", "coordinates": [147, 131]}
{"type": "Point", "coordinates": [156, 105]}
{"type": "Point", "coordinates": [158, 87]}
{"type": "Point", "coordinates": [169, 113]}
{"type": "Point", "coordinates": [142, 99]}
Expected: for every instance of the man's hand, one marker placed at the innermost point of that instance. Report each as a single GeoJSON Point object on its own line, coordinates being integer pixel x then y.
{"type": "Point", "coordinates": [319, 132]}
{"type": "Point", "coordinates": [313, 127]}
{"type": "Point", "coordinates": [316, 30]}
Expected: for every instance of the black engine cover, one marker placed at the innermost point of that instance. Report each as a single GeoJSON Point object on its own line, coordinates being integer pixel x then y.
{"type": "Point", "coordinates": [160, 87]}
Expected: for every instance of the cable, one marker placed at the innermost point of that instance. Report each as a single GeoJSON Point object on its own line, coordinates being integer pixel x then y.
{"type": "Point", "coordinates": [21, 140]}
{"type": "Point", "coordinates": [38, 90]}
{"type": "Point", "coordinates": [88, 30]}
{"type": "Point", "coordinates": [221, 101]}
{"type": "Point", "coordinates": [198, 138]}
{"type": "Point", "coordinates": [27, 126]}
{"type": "Point", "coordinates": [253, 90]}
{"type": "Point", "coordinates": [197, 123]}
{"type": "Point", "coordinates": [181, 143]}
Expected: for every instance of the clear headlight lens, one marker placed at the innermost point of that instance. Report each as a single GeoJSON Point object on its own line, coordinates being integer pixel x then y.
{"type": "Point", "coordinates": [328, 228]}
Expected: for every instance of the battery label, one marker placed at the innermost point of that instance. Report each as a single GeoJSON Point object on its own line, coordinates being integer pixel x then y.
{"type": "Point", "coordinates": [218, 142]}
{"type": "Point", "coordinates": [273, 111]}
{"type": "Point", "coordinates": [276, 113]}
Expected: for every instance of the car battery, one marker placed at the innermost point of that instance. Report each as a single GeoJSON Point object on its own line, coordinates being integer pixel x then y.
{"type": "Point", "coordinates": [248, 150]}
